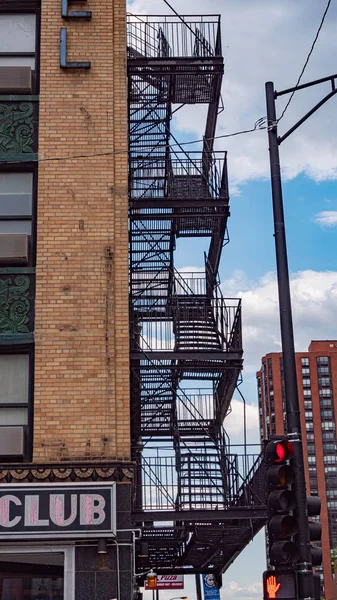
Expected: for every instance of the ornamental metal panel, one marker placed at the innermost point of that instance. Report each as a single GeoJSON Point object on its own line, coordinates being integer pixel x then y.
{"type": "Point", "coordinates": [18, 130]}
{"type": "Point", "coordinates": [16, 302]}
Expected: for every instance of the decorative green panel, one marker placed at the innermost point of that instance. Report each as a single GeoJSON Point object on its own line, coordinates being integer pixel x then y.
{"type": "Point", "coordinates": [16, 303]}
{"type": "Point", "coordinates": [18, 129]}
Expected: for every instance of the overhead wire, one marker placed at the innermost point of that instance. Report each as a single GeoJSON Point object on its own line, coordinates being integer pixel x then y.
{"type": "Point", "coordinates": [306, 61]}
{"type": "Point", "coordinates": [260, 124]}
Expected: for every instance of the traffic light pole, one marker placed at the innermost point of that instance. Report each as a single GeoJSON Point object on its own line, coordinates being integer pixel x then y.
{"type": "Point", "coordinates": [304, 566]}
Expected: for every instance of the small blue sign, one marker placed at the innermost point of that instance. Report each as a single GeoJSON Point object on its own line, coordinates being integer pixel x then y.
{"type": "Point", "coordinates": [211, 592]}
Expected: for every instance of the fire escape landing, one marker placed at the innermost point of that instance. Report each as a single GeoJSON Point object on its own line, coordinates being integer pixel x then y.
{"type": "Point", "coordinates": [197, 504]}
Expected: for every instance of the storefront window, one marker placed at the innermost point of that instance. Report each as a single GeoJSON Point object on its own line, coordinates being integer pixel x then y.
{"type": "Point", "coordinates": [31, 577]}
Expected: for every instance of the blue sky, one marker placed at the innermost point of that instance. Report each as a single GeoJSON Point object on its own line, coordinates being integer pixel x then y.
{"type": "Point", "coordinates": [269, 40]}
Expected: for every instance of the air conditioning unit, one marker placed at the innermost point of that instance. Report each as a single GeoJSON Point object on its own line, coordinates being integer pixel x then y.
{"type": "Point", "coordinates": [13, 248]}
{"type": "Point", "coordinates": [15, 80]}
{"type": "Point", "coordinates": [12, 441]}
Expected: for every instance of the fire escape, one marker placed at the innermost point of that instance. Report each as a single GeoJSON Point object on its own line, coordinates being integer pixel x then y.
{"type": "Point", "coordinates": [197, 504]}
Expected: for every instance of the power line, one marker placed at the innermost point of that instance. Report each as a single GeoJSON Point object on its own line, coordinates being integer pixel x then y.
{"type": "Point", "coordinates": [307, 59]}
{"type": "Point", "coordinates": [260, 124]}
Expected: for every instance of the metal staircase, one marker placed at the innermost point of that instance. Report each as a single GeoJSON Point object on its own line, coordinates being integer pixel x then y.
{"type": "Point", "coordinates": [185, 337]}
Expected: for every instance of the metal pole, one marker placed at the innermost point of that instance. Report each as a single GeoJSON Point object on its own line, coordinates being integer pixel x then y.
{"type": "Point", "coordinates": [198, 587]}
{"type": "Point", "coordinates": [304, 567]}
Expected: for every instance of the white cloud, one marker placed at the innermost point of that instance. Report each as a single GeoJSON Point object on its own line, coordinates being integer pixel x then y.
{"type": "Point", "coordinates": [253, 55]}
{"type": "Point", "coordinates": [234, 590]}
{"type": "Point", "coordinates": [234, 422]}
{"type": "Point", "coordinates": [314, 304]}
{"type": "Point", "coordinates": [326, 218]}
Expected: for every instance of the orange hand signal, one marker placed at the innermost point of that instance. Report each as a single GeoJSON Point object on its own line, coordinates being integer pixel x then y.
{"type": "Point", "coordinates": [272, 586]}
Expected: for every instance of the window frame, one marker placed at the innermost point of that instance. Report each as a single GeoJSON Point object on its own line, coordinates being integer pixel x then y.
{"type": "Point", "coordinates": [28, 7]}
{"type": "Point", "coordinates": [28, 429]}
{"type": "Point", "coordinates": [23, 167]}
{"type": "Point", "coordinates": [69, 561]}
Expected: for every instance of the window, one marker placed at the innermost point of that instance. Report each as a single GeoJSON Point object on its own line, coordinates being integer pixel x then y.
{"type": "Point", "coordinates": [305, 371]}
{"type": "Point", "coordinates": [309, 426]}
{"type": "Point", "coordinates": [305, 362]}
{"type": "Point", "coordinates": [308, 404]}
{"type": "Point", "coordinates": [308, 415]}
{"type": "Point", "coordinates": [326, 403]}
{"type": "Point", "coordinates": [17, 40]}
{"type": "Point", "coordinates": [306, 382]}
{"type": "Point", "coordinates": [16, 204]}
{"type": "Point", "coordinates": [323, 381]}
{"type": "Point", "coordinates": [270, 368]}
{"type": "Point", "coordinates": [327, 392]}
{"type": "Point", "coordinates": [38, 572]}
{"type": "Point", "coordinates": [328, 425]}
{"type": "Point", "coordinates": [310, 437]}
{"type": "Point", "coordinates": [329, 447]}
{"type": "Point", "coordinates": [311, 448]}
{"type": "Point", "coordinates": [307, 393]}
{"type": "Point", "coordinates": [322, 360]}
{"type": "Point", "coordinates": [328, 436]}
{"type": "Point", "coordinates": [326, 414]}
{"type": "Point", "coordinates": [311, 460]}
{"type": "Point", "coordinates": [330, 460]}
{"type": "Point", "coordinates": [15, 393]}
{"type": "Point", "coordinates": [323, 370]}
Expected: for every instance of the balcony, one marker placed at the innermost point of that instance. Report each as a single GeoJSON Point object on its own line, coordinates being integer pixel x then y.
{"type": "Point", "coordinates": [185, 57]}
{"type": "Point", "coordinates": [182, 180]}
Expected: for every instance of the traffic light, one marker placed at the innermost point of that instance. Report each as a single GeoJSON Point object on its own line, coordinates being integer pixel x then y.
{"type": "Point", "coordinates": [282, 526]}
{"type": "Point", "coordinates": [315, 529]}
{"type": "Point", "coordinates": [279, 584]}
{"type": "Point", "coordinates": [317, 586]}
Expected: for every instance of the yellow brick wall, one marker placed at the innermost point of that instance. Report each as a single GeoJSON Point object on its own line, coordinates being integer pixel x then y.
{"type": "Point", "coordinates": [81, 397]}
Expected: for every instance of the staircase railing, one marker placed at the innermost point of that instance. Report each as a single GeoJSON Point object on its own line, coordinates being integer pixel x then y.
{"type": "Point", "coordinates": [196, 36]}
{"type": "Point", "coordinates": [245, 482]}
{"type": "Point", "coordinates": [181, 175]}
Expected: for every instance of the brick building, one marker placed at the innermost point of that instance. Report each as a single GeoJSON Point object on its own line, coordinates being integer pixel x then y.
{"type": "Point", "coordinates": [317, 386]}
{"type": "Point", "coordinates": [64, 361]}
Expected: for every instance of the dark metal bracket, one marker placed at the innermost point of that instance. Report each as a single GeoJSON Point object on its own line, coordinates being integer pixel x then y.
{"type": "Point", "coordinates": [333, 92]}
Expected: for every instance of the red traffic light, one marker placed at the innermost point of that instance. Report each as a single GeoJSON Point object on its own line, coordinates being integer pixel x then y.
{"type": "Point", "coordinates": [279, 451]}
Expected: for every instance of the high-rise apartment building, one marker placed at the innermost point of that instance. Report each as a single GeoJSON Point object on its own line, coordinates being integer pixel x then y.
{"type": "Point", "coordinates": [317, 386]}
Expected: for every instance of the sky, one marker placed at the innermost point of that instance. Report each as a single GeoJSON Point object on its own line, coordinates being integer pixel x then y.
{"type": "Point", "coordinates": [269, 40]}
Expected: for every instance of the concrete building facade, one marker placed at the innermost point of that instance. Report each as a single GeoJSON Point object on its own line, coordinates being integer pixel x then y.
{"type": "Point", "coordinates": [66, 473]}
{"type": "Point", "coordinates": [317, 386]}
